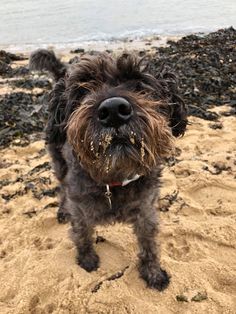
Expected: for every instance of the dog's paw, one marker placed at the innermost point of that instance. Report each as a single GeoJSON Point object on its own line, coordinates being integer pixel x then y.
{"type": "Point", "coordinates": [155, 277]}
{"type": "Point", "coordinates": [62, 216]}
{"type": "Point", "coordinates": [89, 261]}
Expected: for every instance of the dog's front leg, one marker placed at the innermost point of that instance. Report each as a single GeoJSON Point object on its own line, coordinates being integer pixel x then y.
{"type": "Point", "coordinates": [82, 236]}
{"type": "Point", "coordinates": [63, 215]}
{"type": "Point", "coordinates": [146, 229]}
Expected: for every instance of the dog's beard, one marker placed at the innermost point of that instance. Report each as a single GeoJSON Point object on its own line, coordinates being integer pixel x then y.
{"type": "Point", "coordinates": [118, 157]}
{"type": "Point", "coordinates": [111, 155]}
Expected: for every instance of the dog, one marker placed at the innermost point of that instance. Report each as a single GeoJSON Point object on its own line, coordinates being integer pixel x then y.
{"type": "Point", "coordinates": [111, 124]}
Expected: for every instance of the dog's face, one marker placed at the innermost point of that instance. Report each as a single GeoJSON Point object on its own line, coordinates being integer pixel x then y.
{"type": "Point", "coordinates": [121, 119]}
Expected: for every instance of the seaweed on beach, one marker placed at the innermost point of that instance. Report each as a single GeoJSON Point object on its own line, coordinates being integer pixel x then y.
{"type": "Point", "coordinates": [29, 83]}
{"type": "Point", "coordinates": [8, 57]}
{"type": "Point", "coordinates": [206, 67]}
{"type": "Point", "coordinates": [21, 115]}
{"type": "Point", "coordinates": [6, 70]}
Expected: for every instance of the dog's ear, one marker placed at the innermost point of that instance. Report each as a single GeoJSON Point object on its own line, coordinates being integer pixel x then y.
{"type": "Point", "coordinates": [175, 109]}
{"type": "Point", "coordinates": [63, 100]}
{"type": "Point", "coordinates": [55, 132]}
{"type": "Point", "coordinates": [162, 85]}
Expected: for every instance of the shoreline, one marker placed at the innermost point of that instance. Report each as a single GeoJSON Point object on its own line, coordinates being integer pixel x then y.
{"type": "Point", "coordinates": [98, 45]}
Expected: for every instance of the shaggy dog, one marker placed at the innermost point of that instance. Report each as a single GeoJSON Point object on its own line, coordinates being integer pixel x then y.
{"type": "Point", "coordinates": [111, 123]}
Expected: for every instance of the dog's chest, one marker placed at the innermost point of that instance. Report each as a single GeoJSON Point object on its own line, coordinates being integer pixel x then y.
{"type": "Point", "coordinates": [118, 203]}
{"type": "Point", "coordinates": [117, 197]}
{"type": "Point", "coordinates": [122, 204]}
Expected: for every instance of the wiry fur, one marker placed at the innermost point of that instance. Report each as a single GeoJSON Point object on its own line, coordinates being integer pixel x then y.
{"type": "Point", "coordinates": [87, 156]}
{"type": "Point", "coordinates": [110, 155]}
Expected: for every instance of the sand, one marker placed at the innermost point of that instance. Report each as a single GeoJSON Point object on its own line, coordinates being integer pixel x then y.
{"type": "Point", "coordinates": [38, 273]}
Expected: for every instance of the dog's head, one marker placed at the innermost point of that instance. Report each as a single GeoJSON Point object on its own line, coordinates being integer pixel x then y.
{"type": "Point", "coordinates": [121, 119]}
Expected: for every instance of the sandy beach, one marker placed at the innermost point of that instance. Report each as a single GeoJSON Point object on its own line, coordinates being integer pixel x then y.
{"type": "Point", "coordinates": [38, 273]}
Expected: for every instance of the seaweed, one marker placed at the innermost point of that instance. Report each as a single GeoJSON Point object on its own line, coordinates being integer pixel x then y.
{"type": "Point", "coordinates": [205, 66]}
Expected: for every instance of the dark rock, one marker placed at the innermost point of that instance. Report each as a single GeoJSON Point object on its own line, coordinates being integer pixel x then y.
{"type": "Point", "coordinates": [181, 298]}
{"type": "Point", "coordinates": [199, 297]}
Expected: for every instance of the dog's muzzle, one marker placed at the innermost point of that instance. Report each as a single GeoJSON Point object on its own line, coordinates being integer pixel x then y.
{"type": "Point", "coordinates": [115, 111]}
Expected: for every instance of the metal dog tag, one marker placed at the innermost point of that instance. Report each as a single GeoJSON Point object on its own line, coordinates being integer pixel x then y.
{"type": "Point", "coordinates": [108, 195]}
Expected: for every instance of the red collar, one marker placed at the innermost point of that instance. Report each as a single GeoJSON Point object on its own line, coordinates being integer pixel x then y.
{"type": "Point", "coordinates": [113, 184]}
{"type": "Point", "coordinates": [125, 182]}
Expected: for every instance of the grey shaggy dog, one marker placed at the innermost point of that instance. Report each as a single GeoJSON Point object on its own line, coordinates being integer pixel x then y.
{"type": "Point", "coordinates": [111, 123]}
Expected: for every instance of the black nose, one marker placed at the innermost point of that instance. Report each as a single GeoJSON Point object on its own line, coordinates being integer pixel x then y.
{"type": "Point", "coordinates": [114, 112]}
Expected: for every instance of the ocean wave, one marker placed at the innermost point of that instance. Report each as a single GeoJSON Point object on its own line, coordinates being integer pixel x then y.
{"type": "Point", "coordinates": [100, 38]}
